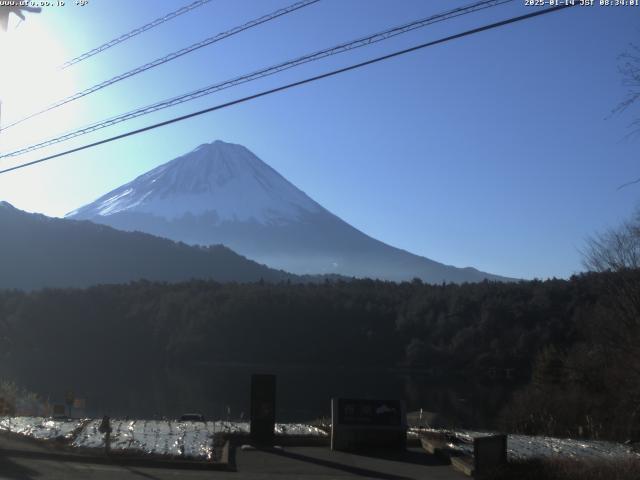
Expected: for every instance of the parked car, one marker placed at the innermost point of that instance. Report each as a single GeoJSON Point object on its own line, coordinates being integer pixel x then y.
{"type": "Point", "coordinates": [192, 417]}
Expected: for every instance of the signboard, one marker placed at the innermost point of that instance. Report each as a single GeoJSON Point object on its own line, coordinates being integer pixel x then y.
{"type": "Point", "coordinates": [360, 424]}
{"type": "Point", "coordinates": [369, 412]}
{"type": "Point", "coordinates": [79, 403]}
{"type": "Point", "coordinates": [263, 408]}
{"type": "Point", "coordinates": [489, 453]}
{"type": "Point", "coordinates": [59, 411]}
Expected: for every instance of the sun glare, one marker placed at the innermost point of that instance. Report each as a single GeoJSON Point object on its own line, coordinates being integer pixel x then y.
{"type": "Point", "coordinates": [30, 80]}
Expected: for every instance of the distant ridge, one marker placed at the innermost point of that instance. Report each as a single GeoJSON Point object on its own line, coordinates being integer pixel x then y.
{"type": "Point", "coordinates": [38, 251]}
{"type": "Point", "coordinates": [221, 193]}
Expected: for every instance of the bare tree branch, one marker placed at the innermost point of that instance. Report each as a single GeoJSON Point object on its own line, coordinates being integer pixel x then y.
{"type": "Point", "coordinates": [616, 249]}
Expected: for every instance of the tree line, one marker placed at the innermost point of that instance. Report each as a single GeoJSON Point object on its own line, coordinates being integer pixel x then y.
{"type": "Point", "coordinates": [566, 349]}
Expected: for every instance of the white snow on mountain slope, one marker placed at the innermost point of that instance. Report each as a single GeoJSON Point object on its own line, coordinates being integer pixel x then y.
{"type": "Point", "coordinates": [221, 178]}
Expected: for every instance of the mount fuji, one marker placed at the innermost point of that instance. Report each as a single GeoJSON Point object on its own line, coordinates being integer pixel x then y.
{"type": "Point", "coordinates": [221, 193]}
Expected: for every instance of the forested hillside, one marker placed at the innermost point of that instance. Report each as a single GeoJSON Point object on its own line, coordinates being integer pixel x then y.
{"type": "Point", "coordinates": [558, 338]}
{"type": "Point", "coordinates": [38, 251]}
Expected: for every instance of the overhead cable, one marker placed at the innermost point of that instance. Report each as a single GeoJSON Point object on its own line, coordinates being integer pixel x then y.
{"type": "Point", "coordinates": [208, 90]}
{"type": "Point", "coordinates": [134, 32]}
{"type": "Point", "coordinates": [167, 58]}
{"type": "Point", "coordinates": [291, 85]}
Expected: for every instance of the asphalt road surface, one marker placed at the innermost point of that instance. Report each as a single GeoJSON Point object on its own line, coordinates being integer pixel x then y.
{"type": "Point", "coordinates": [22, 459]}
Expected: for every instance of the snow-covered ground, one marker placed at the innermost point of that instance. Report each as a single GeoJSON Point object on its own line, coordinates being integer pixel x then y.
{"type": "Point", "coordinates": [39, 427]}
{"type": "Point", "coordinates": [524, 446]}
{"type": "Point", "coordinates": [193, 440]}
{"type": "Point", "coordinates": [176, 439]}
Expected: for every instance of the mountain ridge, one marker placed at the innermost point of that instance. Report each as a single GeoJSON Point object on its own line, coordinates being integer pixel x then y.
{"type": "Point", "coordinates": [37, 251]}
{"type": "Point", "coordinates": [223, 193]}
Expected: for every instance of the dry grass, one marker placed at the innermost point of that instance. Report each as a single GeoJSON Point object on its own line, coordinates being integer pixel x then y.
{"type": "Point", "coordinates": [569, 469]}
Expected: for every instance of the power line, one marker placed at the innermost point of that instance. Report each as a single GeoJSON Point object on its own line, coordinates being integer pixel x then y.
{"type": "Point", "coordinates": [628, 184]}
{"type": "Point", "coordinates": [169, 57]}
{"type": "Point", "coordinates": [134, 32]}
{"type": "Point", "coordinates": [292, 85]}
{"type": "Point", "coordinates": [344, 47]}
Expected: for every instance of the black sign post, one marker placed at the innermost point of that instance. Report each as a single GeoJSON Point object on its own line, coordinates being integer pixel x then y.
{"type": "Point", "coordinates": [263, 408]}
{"type": "Point", "coordinates": [489, 454]}
{"type": "Point", "coordinates": [68, 400]}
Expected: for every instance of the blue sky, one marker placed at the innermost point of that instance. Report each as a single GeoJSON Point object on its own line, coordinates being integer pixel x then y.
{"type": "Point", "coordinates": [495, 151]}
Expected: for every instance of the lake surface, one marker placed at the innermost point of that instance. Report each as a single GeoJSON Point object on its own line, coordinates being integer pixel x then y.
{"type": "Point", "coordinates": [303, 392]}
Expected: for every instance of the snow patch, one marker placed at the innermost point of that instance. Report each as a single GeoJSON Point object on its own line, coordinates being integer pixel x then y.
{"type": "Point", "coordinates": [220, 178]}
{"type": "Point", "coordinates": [193, 440]}
{"type": "Point", "coordinates": [40, 428]}
{"type": "Point", "coordinates": [527, 446]}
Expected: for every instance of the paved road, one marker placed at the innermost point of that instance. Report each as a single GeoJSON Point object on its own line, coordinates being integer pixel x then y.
{"type": "Point", "coordinates": [21, 460]}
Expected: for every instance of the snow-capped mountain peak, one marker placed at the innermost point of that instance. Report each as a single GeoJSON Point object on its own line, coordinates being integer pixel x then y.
{"type": "Point", "coordinates": [221, 193]}
{"type": "Point", "coordinates": [222, 179]}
